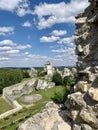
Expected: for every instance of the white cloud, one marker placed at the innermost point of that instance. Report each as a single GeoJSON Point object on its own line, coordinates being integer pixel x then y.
{"type": "Point", "coordinates": [9, 48]}
{"type": "Point", "coordinates": [26, 53]}
{"type": "Point", "coordinates": [59, 32]}
{"type": "Point", "coordinates": [59, 12]}
{"type": "Point", "coordinates": [12, 52]}
{"type": "Point", "coordinates": [22, 47]}
{"type": "Point", "coordinates": [59, 50]}
{"type": "Point", "coordinates": [21, 7]}
{"type": "Point", "coordinates": [7, 42]}
{"type": "Point", "coordinates": [49, 39]}
{"type": "Point", "coordinates": [6, 31]}
{"type": "Point", "coordinates": [27, 24]}
{"type": "Point", "coordinates": [4, 58]}
{"type": "Point", "coordinates": [66, 40]}
{"type": "Point", "coordinates": [4, 48]}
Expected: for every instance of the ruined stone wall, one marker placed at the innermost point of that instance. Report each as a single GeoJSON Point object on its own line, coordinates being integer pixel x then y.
{"type": "Point", "coordinates": [82, 106]}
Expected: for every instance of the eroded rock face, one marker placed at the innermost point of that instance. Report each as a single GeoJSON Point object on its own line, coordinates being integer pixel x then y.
{"type": "Point", "coordinates": [82, 106]}
{"type": "Point", "coordinates": [43, 84]}
{"type": "Point", "coordinates": [51, 118]}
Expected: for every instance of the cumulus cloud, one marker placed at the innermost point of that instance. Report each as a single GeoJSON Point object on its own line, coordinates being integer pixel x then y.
{"type": "Point", "coordinates": [67, 41]}
{"type": "Point", "coordinates": [58, 32]}
{"type": "Point", "coordinates": [4, 48]}
{"type": "Point", "coordinates": [8, 48]}
{"type": "Point", "coordinates": [4, 58]}
{"type": "Point", "coordinates": [27, 24]}
{"type": "Point", "coordinates": [58, 13]}
{"type": "Point", "coordinates": [21, 7]}
{"type": "Point", "coordinates": [59, 50]}
{"type": "Point", "coordinates": [6, 31]}
{"type": "Point", "coordinates": [7, 42]}
{"type": "Point", "coordinates": [49, 39]}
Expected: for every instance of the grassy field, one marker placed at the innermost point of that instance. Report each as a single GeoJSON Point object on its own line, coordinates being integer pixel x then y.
{"type": "Point", "coordinates": [4, 106]}
{"type": "Point", "coordinates": [13, 121]}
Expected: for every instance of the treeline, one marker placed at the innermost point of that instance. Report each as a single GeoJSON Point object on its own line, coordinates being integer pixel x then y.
{"type": "Point", "coordinates": [11, 76]}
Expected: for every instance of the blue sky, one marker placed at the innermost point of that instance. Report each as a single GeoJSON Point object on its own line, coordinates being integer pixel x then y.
{"type": "Point", "coordinates": [35, 31]}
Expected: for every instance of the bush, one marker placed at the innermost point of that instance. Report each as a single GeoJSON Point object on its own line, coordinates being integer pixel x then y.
{"type": "Point", "coordinates": [57, 78]}
{"type": "Point", "coordinates": [60, 97]}
{"type": "Point", "coordinates": [69, 81]}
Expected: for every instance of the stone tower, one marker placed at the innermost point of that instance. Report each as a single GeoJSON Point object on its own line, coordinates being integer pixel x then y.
{"type": "Point", "coordinates": [82, 105]}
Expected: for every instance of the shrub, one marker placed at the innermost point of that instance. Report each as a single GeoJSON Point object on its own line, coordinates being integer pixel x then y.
{"type": "Point", "coordinates": [57, 78]}
{"type": "Point", "coordinates": [69, 81]}
{"type": "Point", "coordinates": [60, 97]}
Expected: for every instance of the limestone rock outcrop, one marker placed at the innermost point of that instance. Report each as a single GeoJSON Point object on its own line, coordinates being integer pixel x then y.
{"type": "Point", "coordinates": [82, 106]}
{"type": "Point", "coordinates": [43, 84]}
{"type": "Point", "coordinates": [51, 118]}
{"type": "Point", "coordinates": [49, 70]}
{"type": "Point", "coordinates": [32, 72]}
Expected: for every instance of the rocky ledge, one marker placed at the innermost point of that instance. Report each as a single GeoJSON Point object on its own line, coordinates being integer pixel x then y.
{"type": "Point", "coordinates": [51, 118]}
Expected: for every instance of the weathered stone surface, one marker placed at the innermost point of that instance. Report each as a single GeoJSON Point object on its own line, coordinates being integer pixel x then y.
{"type": "Point", "coordinates": [67, 72]}
{"type": "Point", "coordinates": [49, 119]}
{"type": "Point", "coordinates": [76, 127]}
{"type": "Point", "coordinates": [89, 116]}
{"type": "Point", "coordinates": [32, 72]}
{"type": "Point", "coordinates": [86, 127]}
{"type": "Point", "coordinates": [43, 84]}
{"type": "Point", "coordinates": [75, 101]}
{"type": "Point", "coordinates": [82, 106]}
{"type": "Point", "coordinates": [49, 70]}
{"type": "Point", "coordinates": [93, 93]}
{"type": "Point", "coordinates": [82, 86]}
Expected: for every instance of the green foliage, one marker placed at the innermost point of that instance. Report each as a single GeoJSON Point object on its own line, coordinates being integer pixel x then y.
{"type": "Point", "coordinates": [69, 81]}
{"type": "Point", "coordinates": [9, 77]}
{"type": "Point", "coordinates": [41, 73]}
{"type": "Point", "coordinates": [61, 96]}
{"type": "Point", "coordinates": [26, 74]}
{"type": "Point", "coordinates": [57, 78]}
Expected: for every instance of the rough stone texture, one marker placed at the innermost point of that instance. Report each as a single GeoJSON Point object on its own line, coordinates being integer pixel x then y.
{"type": "Point", "coordinates": [49, 70]}
{"type": "Point", "coordinates": [32, 72]}
{"type": "Point", "coordinates": [51, 118]}
{"type": "Point", "coordinates": [93, 93]}
{"type": "Point", "coordinates": [68, 72]}
{"type": "Point", "coordinates": [82, 106]}
{"type": "Point", "coordinates": [43, 84]}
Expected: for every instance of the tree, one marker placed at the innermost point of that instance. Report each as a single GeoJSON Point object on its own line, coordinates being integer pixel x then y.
{"type": "Point", "coordinates": [57, 78]}
{"type": "Point", "coordinates": [9, 77]}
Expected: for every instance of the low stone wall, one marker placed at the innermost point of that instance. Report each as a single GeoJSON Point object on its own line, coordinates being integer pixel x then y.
{"type": "Point", "coordinates": [17, 90]}
{"type": "Point", "coordinates": [10, 112]}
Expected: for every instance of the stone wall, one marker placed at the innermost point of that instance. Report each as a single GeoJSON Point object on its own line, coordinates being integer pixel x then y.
{"type": "Point", "coordinates": [82, 106]}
